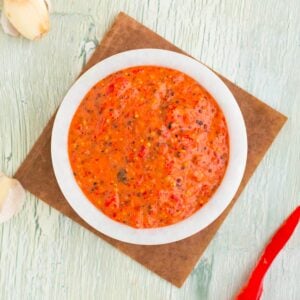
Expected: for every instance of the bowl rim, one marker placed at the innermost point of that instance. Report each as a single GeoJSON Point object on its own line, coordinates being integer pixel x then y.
{"type": "Point", "coordinates": [220, 199]}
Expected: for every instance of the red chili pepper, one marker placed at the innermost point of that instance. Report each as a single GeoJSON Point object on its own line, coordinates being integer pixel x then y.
{"type": "Point", "coordinates": [253, 289]}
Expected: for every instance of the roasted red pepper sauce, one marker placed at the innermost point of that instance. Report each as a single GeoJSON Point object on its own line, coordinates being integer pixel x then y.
{"type": "Point", "coordinates": [148, 146]}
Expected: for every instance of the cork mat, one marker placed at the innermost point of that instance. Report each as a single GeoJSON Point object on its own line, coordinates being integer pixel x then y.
{"type": "Point", "coordinates": [173, 261]}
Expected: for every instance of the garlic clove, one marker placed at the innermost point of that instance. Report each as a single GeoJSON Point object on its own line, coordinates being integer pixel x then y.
{"type": "Point", "coordinates": [29, 17]}
{"type": "Point", "coordinates": [12, 196]}
{"type": "Point", "coordinates": [7, 27]}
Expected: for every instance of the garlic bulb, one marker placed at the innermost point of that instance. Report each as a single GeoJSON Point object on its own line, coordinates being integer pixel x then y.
{"type": "Point", "coordinates": [30, 18]}
{"type": "Point", "coordinates": [12, 196]}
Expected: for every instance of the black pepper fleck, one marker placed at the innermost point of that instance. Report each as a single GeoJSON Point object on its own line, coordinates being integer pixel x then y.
{"type": "Point", "coordinates": [122, 175]}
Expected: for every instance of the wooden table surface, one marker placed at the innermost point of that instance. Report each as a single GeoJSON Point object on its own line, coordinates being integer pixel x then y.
{"type": "Point", "coordinates": [256, 44]}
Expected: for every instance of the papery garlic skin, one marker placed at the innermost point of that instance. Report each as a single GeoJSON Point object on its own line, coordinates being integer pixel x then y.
{"type": "Point", "coordinates": [29, 17]}
{"type": "Point", "coordinates": [12, 197]}
{"type": "Point", "coordinates": [49, 5]}
{"type": "Point", "coordinates": [8, 28]}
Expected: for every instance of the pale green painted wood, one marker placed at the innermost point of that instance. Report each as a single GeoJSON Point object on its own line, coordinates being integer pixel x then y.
{"type": "Point", "coordinates": [44, 255]}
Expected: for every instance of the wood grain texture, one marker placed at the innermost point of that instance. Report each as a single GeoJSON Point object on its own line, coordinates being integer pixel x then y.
{"type": "Point", "coordinates": [45, 256]}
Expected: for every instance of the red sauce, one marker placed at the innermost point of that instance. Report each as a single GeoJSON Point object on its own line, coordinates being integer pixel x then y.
{"type": "Point", "coordinates": [148, 146]}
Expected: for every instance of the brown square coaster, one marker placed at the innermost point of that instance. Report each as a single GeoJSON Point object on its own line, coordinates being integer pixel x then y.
{"type": "Point", "coordinates": [173, 261]}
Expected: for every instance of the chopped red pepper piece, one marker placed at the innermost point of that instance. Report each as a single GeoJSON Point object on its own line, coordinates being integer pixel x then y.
{"type": "Point", "coordinates": [142, 152]}
{"type": "Point", "coordinates": [110, 88]}
{"type": "Point", "coordinates": [109, 201]}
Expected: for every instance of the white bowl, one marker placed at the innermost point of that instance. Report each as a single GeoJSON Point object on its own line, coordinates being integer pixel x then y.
{"type": "Point", "coordinates": [221, 198]}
